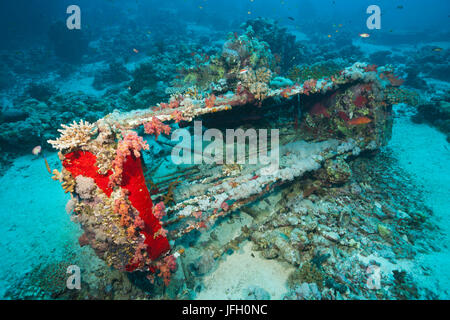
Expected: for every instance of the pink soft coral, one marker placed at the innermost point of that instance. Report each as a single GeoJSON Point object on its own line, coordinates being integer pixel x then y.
{"type": "Point", "coordinates": [160, 233]}
{"type": "Point", "coordinates": [197, 214]}
{"type": "Point", "coordinates": [139, 223]}
{"type": "Point", "coordinates": [309, 85]}
{"type": "Point", "coordinates": [159, 210]}
{"type": "Point", "coordinates": [122, 207]}
{"type": "Point", "coordinates": [172, 105]}
{"type": "Point", "coordinates": [131, 144]}
{"type": "Point", "coordinates": [140, 254]}
{"type": "Point", "coordinates": [168, 265]}
{"type": "Point", "coordinates": [177, 116]}
{"type": "Point", "coordinates": [211, 101]}
{"type": "Point", "coordinates": [156, 127]}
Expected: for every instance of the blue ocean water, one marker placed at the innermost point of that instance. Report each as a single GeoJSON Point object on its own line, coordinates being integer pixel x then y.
{"type": "Point", "coordinates": [318, 237]}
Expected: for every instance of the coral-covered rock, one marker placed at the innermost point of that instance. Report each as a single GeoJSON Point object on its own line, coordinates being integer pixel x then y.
{"type": "Point", "coordinates": [338, 171]}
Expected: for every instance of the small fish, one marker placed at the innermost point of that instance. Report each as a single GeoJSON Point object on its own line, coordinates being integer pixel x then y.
{"type": "Point", "coordinates": [47, 166]}
{"type": "Point", "coordinates": [135, 50]}
{"type": "Point", "coordinates": [364, 35]}
{"type": "Point", "coordinates": [437, 49]}
{"type": "Point", "coordinates": [290, 18]}
{"type": "Point", "coordinates": [399, 7]}
{"type": "Point", "coordinates": [360, 120]}
{"type": "Point", "coordinates": [329, 36]}
{"type": "Point", "coordinates": [36, 150]}
{"type": "Point", "coordinates": [243, 71]}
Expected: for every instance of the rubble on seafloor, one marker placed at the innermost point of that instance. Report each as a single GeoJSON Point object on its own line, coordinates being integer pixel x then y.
{"type": "Point", "coordinates": [159, 224]}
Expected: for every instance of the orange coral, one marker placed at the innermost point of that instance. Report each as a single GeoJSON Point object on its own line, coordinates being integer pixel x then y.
{"type": "Point", "coordinates": [210, 102]}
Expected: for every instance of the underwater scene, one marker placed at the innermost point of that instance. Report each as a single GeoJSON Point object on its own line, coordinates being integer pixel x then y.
{"type": "Point", "coordinates": [224, 150]}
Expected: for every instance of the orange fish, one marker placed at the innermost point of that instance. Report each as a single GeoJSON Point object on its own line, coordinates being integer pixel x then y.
{"type": "Point", "coordinates": [135, 50]}
{"type": "Point", "coordinates": [360, 120]}
{"type": "Point", "coordinates": [364, 35]}
{"type": "Point", "coordinates": [243, 71]}
{"type": "Point", "coordinates": [47, 166]}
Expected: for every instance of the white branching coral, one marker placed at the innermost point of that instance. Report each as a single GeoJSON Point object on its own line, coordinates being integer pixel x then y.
{"type": "Point", "coordinates": [73, 135]}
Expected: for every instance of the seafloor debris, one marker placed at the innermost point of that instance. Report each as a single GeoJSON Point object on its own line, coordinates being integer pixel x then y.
{"type": "Point", "coordinates": [321, 123]}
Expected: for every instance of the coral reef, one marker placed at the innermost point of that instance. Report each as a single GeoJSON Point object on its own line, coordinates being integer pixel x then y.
{"type": "Point", "coordinates": [74, 135]}
{"type": "Point", "coordinates": [282, 44]}
{"type": "Point", "coordinates": [238, 53]}
{"type": "Point", "coordinates": [257, 82]}
{"type": "Point", "coordinates": [319, 70]}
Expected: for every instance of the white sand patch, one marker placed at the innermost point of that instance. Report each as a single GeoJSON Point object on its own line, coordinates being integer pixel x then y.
{"type": "Point", "coordinates": [240, 270]}
{"type": "Point", "coordinates": [82, 80]}
{"type": "Point", "coordinates": [34, 227]}
{"type": "Point", "coordinates": [424, 153]}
